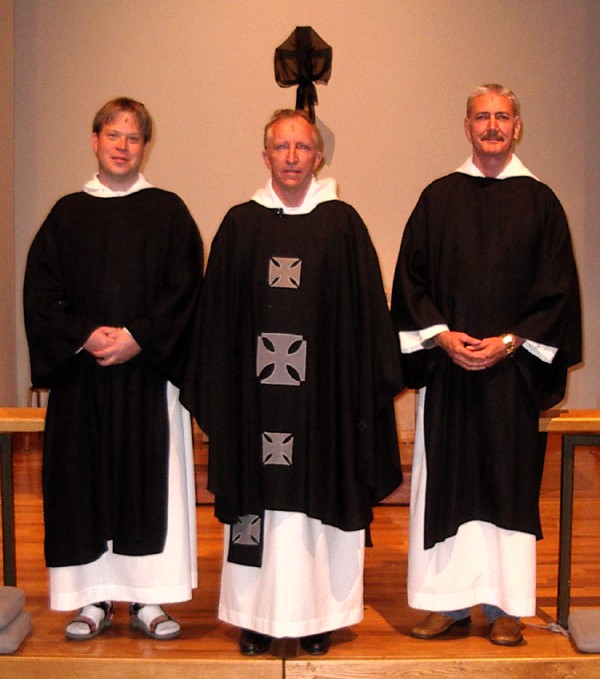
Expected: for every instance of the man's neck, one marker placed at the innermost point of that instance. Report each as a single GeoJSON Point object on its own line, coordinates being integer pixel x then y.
{"type": "Point", "coordinates": [491, 166]}
{"type": "Point", "coordinates": [291, 198]}
{"type": "Point", "coordinates": [120, 184]}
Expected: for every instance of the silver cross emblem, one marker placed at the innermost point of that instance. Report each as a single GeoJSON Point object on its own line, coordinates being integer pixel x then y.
{"type": "Point", "coordinates": [277, 448]}
{"type": "Point", "coordinates": [284, 272]}
{"type": "Point", "coordinates": [246, 530]}
{"type": "Point", "coordinates": [281, 359]}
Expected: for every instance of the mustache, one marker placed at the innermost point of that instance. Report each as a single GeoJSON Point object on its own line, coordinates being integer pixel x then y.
{"type": "Point", "coordinates": [493, 134]}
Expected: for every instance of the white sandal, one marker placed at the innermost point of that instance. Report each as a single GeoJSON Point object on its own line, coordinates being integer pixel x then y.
{"type": "Point", "coordinates": [91, 621]}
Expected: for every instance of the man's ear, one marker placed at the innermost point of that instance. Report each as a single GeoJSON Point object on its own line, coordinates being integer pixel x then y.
{"type": "Point", "coordinates": [266, 159]}
{"type": "Point", "coordinates": [318, 161]}
{"type": "Point", "coordinates": [518, 128]}
{"type": "Point", "coordinates": [468, 129]}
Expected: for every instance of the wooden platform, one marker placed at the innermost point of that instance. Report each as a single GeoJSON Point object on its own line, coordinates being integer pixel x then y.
{"type": "Point", "coordinates": [379, 647]}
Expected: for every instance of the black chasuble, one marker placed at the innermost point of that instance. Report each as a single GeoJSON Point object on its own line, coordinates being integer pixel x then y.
{"type": "Point", "coordinates": [487, 256]}
{"type": "Point", "coordinates": [297, 367]}
{"type": "Point", "coordinates": [134, 262]}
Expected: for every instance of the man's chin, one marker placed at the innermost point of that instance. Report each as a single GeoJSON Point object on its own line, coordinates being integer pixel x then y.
{"type": "Point", "coordinates": [493, 147]}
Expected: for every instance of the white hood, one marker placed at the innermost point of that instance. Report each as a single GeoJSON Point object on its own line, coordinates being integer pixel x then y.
{"type": "Point", "coordinates": [319, 191]}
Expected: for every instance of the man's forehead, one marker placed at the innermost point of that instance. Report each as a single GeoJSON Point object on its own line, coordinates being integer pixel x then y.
{"type": "Point", "coordinates": [489, 103]}
{"type": "Point", "coordinates": [293, 127]}
{"type": "Point", "coordinates": [123, 118]}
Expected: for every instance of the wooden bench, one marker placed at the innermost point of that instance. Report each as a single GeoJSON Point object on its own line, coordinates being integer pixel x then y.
{"type": "Point", "coordinates": [577, 428]}
{"type": "Point", "coordinates": [13, 420]}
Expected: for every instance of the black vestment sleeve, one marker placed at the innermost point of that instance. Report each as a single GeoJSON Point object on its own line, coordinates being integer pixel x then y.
{"type": "Point", "coordinates": [164, 331]}
{"type": "Point", "coordinates": [55, 329]}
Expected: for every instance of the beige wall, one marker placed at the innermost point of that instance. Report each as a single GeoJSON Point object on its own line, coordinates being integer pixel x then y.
{"type": "Point", "coordinates": [392, 112]}
{"type": "Point", "coordinates": [8, 372]}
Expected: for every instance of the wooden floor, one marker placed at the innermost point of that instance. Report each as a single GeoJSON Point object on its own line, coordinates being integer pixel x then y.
{"type": "Point", "coordinates": [380, 646]}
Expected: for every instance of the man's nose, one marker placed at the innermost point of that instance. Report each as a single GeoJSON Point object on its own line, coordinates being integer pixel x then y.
{"type": "Point", "coordinates": [292, 156]}
{"type": "Point", "coordinates": [123, 142]}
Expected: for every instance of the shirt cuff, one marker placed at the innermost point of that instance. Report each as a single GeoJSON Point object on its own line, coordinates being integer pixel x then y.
{"type": "Point", "coordinates": [415, 340]}
{"type": "Point", "coordinates": [541, 351]}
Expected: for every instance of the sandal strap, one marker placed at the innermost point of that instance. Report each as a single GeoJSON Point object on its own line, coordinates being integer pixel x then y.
{"type": "Point", "coordinates": [156, 622]}
{"type": "Point", "coordinates": [134, 608]}
{"type": "Point", "coordinates": [88, 621]}
{"type": "Point", "coordinates": [106, 606]}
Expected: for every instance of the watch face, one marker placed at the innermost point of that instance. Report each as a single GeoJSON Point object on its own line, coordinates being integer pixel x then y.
{"type": "Point", "coordinates": [509, 345]}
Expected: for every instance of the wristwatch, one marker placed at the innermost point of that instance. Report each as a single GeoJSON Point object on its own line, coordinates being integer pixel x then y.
{"type": "Point", "coordinates": [509, 343]}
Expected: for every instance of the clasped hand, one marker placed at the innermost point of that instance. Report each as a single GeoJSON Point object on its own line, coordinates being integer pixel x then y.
{"type": "Point", "coordinates": [469, 352]}
{"type": "Point", "coordinates": [111, 346]}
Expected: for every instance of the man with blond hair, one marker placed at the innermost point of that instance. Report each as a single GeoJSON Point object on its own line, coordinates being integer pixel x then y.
{"type": "Point", "coordinates": [298, 369]}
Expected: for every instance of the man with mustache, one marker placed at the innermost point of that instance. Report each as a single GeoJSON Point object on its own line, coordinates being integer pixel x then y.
{"type": "Point", "coordinates": [486, 302]}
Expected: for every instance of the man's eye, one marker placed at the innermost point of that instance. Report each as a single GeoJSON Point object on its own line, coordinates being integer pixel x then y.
{"type": "Point", "coordinates": [112, 136]}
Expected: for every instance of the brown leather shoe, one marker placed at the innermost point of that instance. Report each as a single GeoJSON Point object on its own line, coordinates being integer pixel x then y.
{"type": "Point", "coordinates": [506, 631]}
{"type": "Point", "coordinates": [436, 624]}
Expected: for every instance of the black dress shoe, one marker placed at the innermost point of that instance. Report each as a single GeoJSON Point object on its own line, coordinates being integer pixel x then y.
{"type": "Point", "coordinates": [316, 644]}
{"type": "Point", "coordinates": [254, 643]}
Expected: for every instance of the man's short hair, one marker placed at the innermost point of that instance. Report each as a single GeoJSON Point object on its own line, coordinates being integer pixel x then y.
{"type": "Point", "coordinates": [106, 114]}
{"type": "Point", "coordinates": [288, 114]}
{"type": "Point", "coordinates": [501, 91]}
{"type": "Point", "coordinates": [494, 88]}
